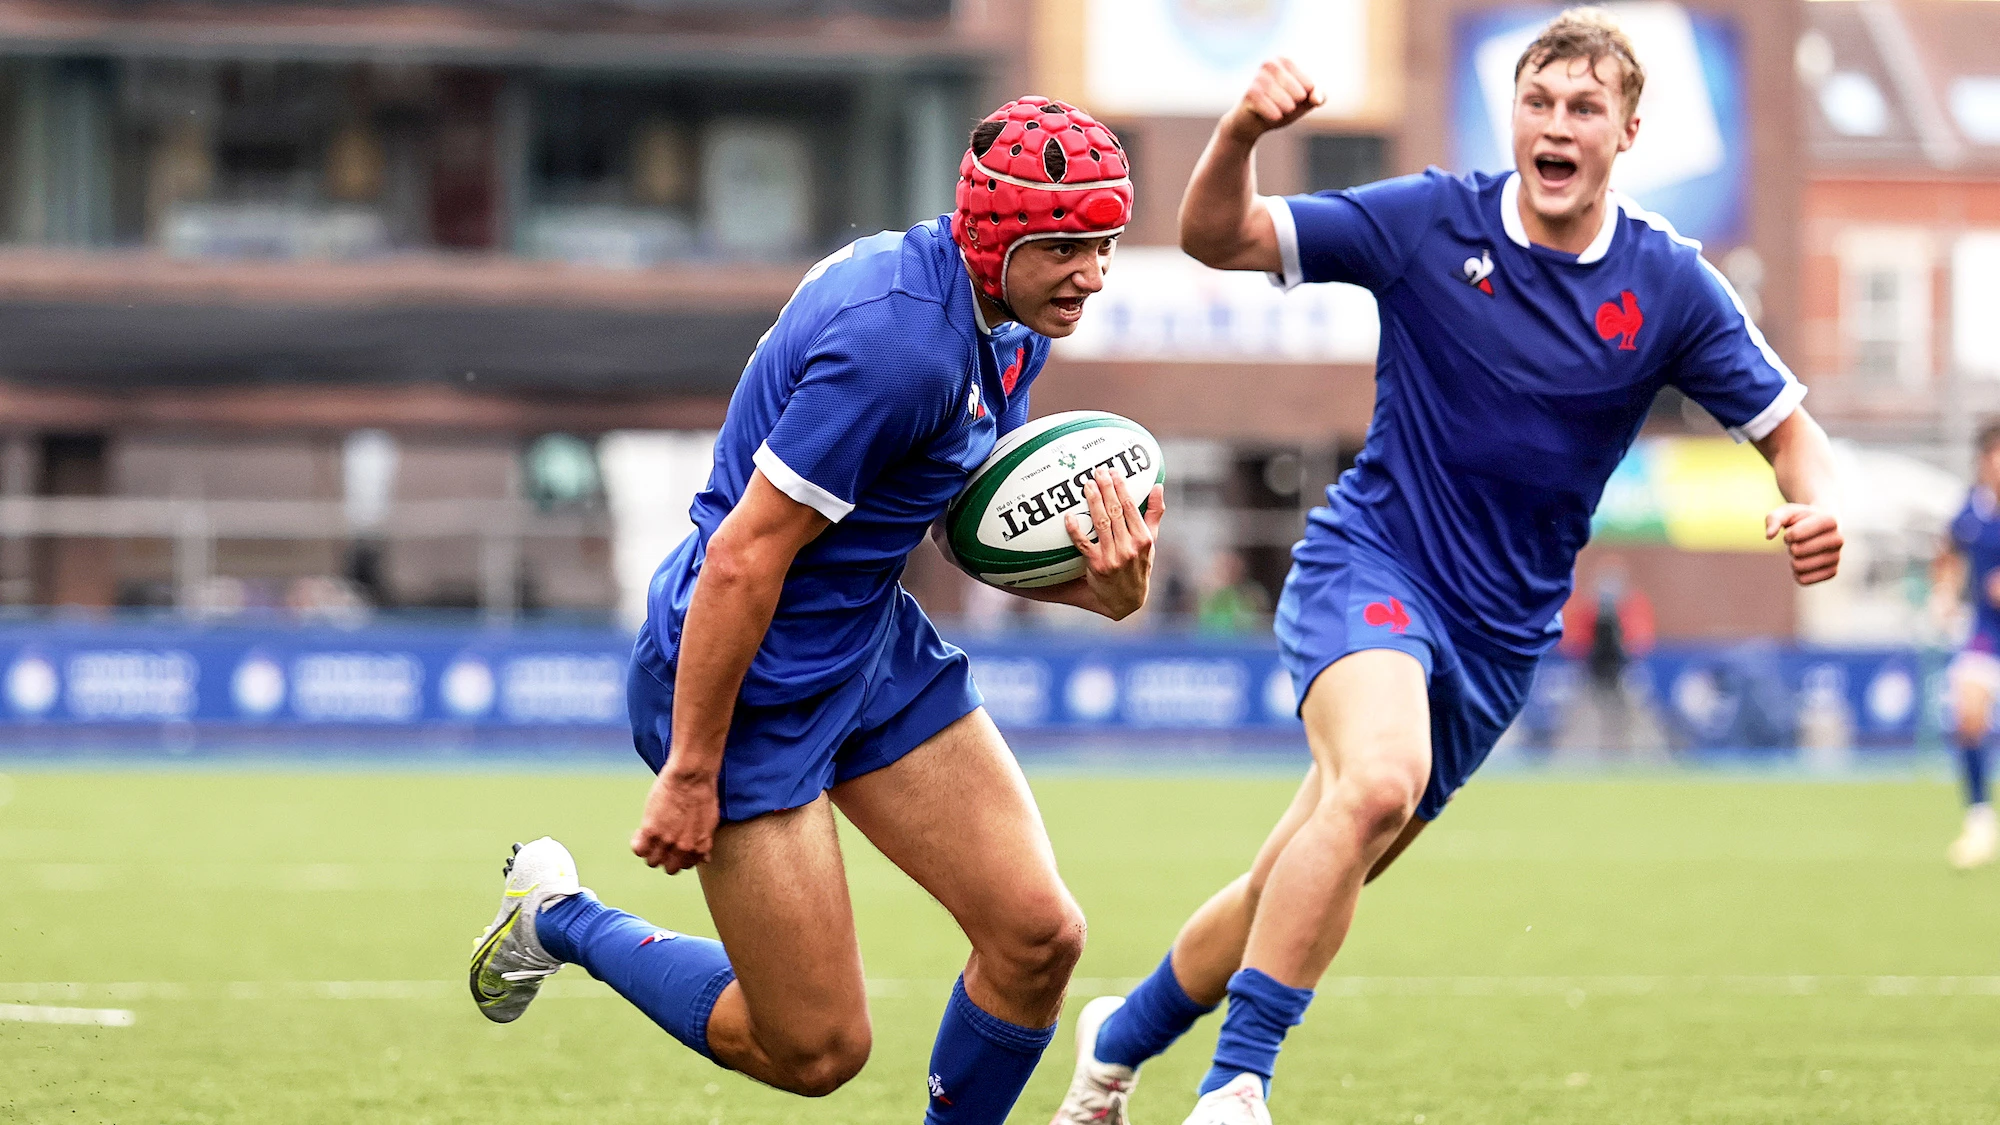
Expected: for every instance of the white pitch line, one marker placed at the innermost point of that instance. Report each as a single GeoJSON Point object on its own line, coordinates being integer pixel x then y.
{"type": "Point", "coordinates": [41, 1013]}
{"type": "Point", "coordinates": [580, 987]}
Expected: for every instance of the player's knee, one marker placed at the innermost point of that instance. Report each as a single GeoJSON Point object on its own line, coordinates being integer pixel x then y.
{"type": "Point", "coordinates": [818, 1068]}
{"type": "Point", "coordinates": [1043, 943]}
{"type": "Point", "coordinates": [1380, 799]}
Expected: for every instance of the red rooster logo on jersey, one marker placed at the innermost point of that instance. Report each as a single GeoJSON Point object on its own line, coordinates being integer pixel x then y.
{"type": "Point", "coordinates": [1012, 375]}
{"type": "Point", "coordinates": [1621, 319]}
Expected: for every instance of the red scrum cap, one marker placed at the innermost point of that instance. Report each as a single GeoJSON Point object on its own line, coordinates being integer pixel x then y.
{"type": "Point", "coordinates": [1050, 171]}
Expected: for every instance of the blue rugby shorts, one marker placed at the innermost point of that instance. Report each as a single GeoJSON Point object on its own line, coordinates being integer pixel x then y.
{"type": "Point", "coordinates": [785, 756]}
{"type": "Point", "coordinates": [1345, 597]}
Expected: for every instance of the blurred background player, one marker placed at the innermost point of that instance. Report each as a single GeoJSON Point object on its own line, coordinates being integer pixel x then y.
{"type": "Point", "coordinates": [1528, 321]}
{"type": "Point", "coordinates": [784, 669]}
{"type": "Point", "coordinates": [1970, 562]}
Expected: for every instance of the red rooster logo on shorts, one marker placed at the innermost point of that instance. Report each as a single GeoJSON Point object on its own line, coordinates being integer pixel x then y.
{"type": "Point", "coordinates": [1393, 615]}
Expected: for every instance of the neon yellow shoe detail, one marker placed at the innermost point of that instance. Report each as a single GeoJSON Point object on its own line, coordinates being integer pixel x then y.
{"type": "Point", "coordinates": [508, 961]}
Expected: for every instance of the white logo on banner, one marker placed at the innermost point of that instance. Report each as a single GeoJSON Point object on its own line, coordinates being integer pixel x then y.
{"type": "Point", "coordinates": [467, 689]}
{"type": "Point", "coordinates": [1280, 698]}
{"type": "Point", "coordinates": [1092, 693]}
{"type": "Point", "coordinates": [558, 688]}
{"type": "Point", "coordinates": [1194, 693]}
{"type": "Point", "coordinates": [1892, 695]}
{"type": "Point", "coordinates": [1016, 689]}
{"type": "Point", "coordinates": [31, 685]}
{"type": "Point", "coordinates": [258, 687]}
{"type": "Point", "coordinates": [132, 685]}
{"type": "Point", "coordinates": [1701, 702]}
{"type": "Point", "coordinates": [357, 687]}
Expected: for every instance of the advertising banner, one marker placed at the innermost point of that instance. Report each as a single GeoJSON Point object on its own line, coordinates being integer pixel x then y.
{"type": "Point", "coordinates": [1160, 304]}
{"type": "Point", "coordinates": [372, 677]}
{"type": "Point", "coordinates": [348, 683]}
{"type": "Point", "coordinates": [1695, 493]}
{"type": "Point", "coordinates": [1195, 57]}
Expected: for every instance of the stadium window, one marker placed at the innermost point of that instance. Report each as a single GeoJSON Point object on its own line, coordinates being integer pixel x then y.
{"type": "Point", "coordinates": [1975, 293]}
{"type": "Point", "coordinates": [61, 116]}
{"type": "Point", "coordinates": [1886, 305]}
{"type": "Point", "coordinates": [637, 173]}
{"type": "Point", "coordinates": [1335, 161]}
{"type": "Point", "coordinates": [268, 159]}
{"type": "Point", "coordinates": [612, 175]}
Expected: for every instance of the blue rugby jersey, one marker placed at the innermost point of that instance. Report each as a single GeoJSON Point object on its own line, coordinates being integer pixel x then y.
{"type": "Point", "coordinates": [871, 400]}
{"type": "Point", "coordinates": [1511, 379]}
{"type": "Point", "coordinates": [1976, 534]}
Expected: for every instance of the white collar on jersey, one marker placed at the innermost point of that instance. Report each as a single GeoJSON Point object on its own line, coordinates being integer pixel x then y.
{"type": "Point", "coordinates": [1510, 217]}
{"type": "Point", "coordinates": [979, 311]}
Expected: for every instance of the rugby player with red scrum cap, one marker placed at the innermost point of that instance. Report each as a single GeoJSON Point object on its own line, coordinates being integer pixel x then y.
{"type": "Point", "coordinates": [783, 670]}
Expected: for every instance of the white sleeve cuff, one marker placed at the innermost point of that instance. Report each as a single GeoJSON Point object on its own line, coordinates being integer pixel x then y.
{"type": "Point", "coordinates": [1288, 243]}
{"type": "Point", "coordinates": [1760, 427]}
{"type": "Point", "coordinates": [798, 487]}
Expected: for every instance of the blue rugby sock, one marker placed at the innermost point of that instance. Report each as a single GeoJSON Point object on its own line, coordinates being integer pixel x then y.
{"type": "Point", "coordinates": [980, 1063]}
{"type": "Point", "coordinates": [1155, 1014]}
{"type": "Point", "coordinates": [673, 978]}
{"type": "Point", "coordinates": [1261, 1010]}
{"type": "Point", "coordinates": [1972, 770]}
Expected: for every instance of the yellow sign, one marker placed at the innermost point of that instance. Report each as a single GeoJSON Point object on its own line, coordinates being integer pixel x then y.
{"type": "Point", "coordinates": [1714, 494]}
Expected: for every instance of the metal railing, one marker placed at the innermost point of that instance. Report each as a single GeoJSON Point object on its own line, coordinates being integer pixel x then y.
{"type": "Point", "coordinates": [194, 526]}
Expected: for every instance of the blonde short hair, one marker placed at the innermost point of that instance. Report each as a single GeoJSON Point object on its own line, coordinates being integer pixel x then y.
{"type": "Point", "coordinates": [1590, 34]}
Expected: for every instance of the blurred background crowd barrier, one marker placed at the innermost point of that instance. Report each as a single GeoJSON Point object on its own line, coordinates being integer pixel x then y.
{"type": "Point", "coordinates": [328, 320]}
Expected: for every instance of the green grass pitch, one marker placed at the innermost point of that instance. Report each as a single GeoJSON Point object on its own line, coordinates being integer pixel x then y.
{"type": "Point", "coordinates": [292, 947]}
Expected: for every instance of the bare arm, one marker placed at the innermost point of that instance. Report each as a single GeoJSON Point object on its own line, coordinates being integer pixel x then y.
{"type": "Point", "coordinates": [734, 600]}
{"type": "Point", "coordinates": [1222, 224]}
{"type": "Point", "coordinates": [1802, 459]}
{"type": "Point", "coordinates": [1948, 575]}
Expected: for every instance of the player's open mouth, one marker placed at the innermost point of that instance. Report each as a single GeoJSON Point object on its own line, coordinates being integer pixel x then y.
{"type": "Point", "coordinates": [1554, 170]}
{"type": "Point", "coordinates": [1069, 308]}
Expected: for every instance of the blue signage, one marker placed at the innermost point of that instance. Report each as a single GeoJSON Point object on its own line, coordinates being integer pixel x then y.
{"type": "Point", "coordinates": [411, 678]}
{"type": "Point", "coordinates": [374, 677]}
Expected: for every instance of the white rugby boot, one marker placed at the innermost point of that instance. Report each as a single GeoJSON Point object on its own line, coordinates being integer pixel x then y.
{"type": "Point", "coordinates": [1098, 1093]}
{"type": "Point", "coordinates": [1978, 841]}
{"type": "Point", "coordinates": [508, 961]}
{"type": "Point", "coordinates": [1239, 1103]}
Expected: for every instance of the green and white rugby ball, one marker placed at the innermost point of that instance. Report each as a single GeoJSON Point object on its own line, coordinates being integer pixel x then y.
{"type": "Point", "coordinates": [1006, 529]}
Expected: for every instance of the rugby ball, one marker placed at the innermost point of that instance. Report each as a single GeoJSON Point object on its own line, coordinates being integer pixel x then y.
{"type": "Point", "coordinates": [1006, 528]}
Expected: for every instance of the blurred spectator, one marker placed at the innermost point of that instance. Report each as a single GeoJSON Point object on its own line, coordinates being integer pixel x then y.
{"type": "Point", "coordinates": [1604, 633]}
{"type": "Point", "coordinates": [1233, 603]}
{"type": "Point", "coordinates": [324, 599]}
{"type": "Point", "coordinates": [1173, 595]}
{"type": "Point", "coordinates": [1612, 627]}
{"type": "Point", "coordinates": [218, 597]}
